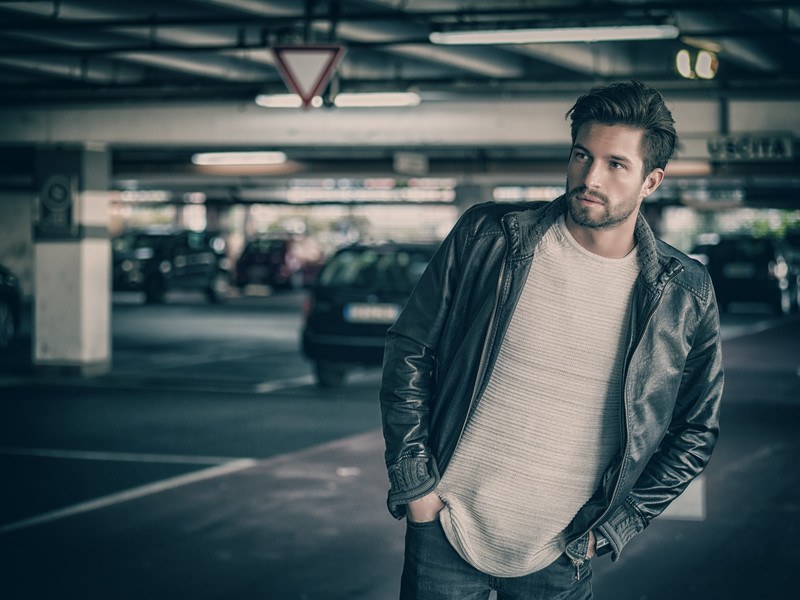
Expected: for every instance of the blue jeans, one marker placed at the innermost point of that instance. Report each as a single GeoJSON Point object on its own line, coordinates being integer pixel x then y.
{"type": "Point", "coordinates": [433, 570]}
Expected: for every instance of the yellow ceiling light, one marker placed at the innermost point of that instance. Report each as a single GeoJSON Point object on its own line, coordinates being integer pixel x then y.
{"type": "Point", "coordinates": [683, 62]}
{"type": "Point", "coordinates": [706, 65]}
{"type": "Point", "coordinates": [703, 64]}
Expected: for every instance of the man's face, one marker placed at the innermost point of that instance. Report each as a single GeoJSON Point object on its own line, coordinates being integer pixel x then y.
{"type": "Point", "coordinates": [605, 179]}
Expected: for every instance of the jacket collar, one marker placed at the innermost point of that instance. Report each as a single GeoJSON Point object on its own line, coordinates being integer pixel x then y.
{"type": "Point", "coordinates": [525, 228]}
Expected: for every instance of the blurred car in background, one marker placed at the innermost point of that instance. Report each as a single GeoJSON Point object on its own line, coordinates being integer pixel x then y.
{"type": "Point", "coordinates": [158, 261]}
{"type": "Point", "coordinates": [748, 269]}
{"type": "Point", "coordinates": [281, 262]}
{"type": "Point", "coordinates": [10, 307]}
{"type": "Point", "coordinates": [358, 294]}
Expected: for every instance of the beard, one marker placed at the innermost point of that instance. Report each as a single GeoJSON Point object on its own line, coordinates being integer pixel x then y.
{"type": "Point", "coordinates": [585, 215]}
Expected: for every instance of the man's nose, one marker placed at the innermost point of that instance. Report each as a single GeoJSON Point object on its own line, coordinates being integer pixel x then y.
{"type": "Point", "coordinates": [591, 176]}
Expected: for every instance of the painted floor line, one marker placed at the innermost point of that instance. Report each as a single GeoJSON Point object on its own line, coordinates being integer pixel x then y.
{"type": "Point", "coordinates": [181, 480]}
{"type": "Point", "coordinates": [132, 494]}
{"type": "Point", "coordinates": [136, 457]}
{"type": "Point", "coordinates": [267, 387]}
{"type": "Point", "coordinates": [690, 505]}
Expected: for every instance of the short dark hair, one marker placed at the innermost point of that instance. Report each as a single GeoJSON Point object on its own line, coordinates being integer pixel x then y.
{"type": "Point", "coordinates": [633, 104]}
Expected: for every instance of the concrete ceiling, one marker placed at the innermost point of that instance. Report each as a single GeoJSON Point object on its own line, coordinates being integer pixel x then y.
{"type": "Point", "coordinates": [95, 50]}
{"type": "Point", "coordinates": [168, 63]}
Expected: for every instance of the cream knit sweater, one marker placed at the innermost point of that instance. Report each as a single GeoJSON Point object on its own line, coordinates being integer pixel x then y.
{"type": "Point", "coordinates": [548, 424]}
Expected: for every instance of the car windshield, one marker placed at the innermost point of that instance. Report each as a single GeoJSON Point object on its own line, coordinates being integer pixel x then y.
{"type": "Point", "coordinates": [265, 246]}
{"type": "Point", "coordinates": [746, 249]}
{"type": "Point", "coordinates": [391, 270]}
{"type": "Point", "coordinates": [135, 241]}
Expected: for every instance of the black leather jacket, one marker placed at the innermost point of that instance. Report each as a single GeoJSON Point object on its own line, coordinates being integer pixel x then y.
{"type": "Point", "coordinates": [441, 351]}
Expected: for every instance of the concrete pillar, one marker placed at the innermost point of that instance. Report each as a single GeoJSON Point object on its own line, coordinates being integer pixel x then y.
{"type": "Point", "coordinates": [72, 261]}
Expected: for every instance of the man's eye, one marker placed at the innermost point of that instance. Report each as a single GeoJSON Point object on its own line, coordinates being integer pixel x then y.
{"type": "Point", "coordinates": [580, 156]}
{"type": "Point", "coordinates": [616, 165]}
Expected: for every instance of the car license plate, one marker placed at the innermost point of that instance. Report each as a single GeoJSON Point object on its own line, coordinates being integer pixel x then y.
{"type": "Point", "coordinates": [371, 313]}
{"type": "Point", "coordinates": [257, 271]}
{"type": "Point", "coordinates": [739, 270]}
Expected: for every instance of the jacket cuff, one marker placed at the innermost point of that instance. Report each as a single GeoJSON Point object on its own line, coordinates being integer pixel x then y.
{"type": "Point", "coordinates": [410, 479]}
{"type": "Point", "coordinates": [622, 526]}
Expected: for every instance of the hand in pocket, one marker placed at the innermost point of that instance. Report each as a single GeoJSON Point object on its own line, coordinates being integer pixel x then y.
{"type": "Point", "coordinates": [425, 509]}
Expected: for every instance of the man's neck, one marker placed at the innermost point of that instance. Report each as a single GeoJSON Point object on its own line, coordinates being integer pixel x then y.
{"type": "Point", "coordinates": [614, 242]}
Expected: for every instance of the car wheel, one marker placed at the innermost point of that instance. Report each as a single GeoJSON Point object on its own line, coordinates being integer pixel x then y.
{"type": "Point", "coordinates": [219, 288]}
{"type": "Point", "coordinates": [796, 297]}
{"type": "Point", "coordinates": [784, 305]}
{"type": "Point", "coordinates": [330, 374]}
{"type": "Point", "coordinates": [154, 290]}
{"type": "Point", "coordinates": [297, 280]}
{"type": "Point", "coordinates": [7, 328]}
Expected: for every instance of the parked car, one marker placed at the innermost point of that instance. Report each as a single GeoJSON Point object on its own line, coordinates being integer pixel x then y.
{"type": "Point", "coordinates": [281, 262]}
{"type": "Point", "coordinates": [358, 294]}
{"type": "Point", "coordinates": [747, 269]}
{"type": "Point", "coordinates": [10, 307]}
{"type": "Point", "coordinates": [158, 261]}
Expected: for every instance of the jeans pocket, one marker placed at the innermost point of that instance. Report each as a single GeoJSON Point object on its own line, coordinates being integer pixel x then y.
{"type": "Point", "coordinates": [422, 524]}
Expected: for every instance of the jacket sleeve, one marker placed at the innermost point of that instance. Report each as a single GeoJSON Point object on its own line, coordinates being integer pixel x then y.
{"type": "Point", "coordinates": [686, 448]}
{"type": "Point", "coordinates": [408, 373]}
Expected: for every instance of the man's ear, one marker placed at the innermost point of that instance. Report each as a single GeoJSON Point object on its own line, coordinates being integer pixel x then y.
{"type": "Point", "coordinates": [652, 181]}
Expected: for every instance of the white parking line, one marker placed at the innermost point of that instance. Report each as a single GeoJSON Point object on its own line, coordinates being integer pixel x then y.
{"type": "Point", "coordinates": [690, 505]}
{"type": "Point", "coordinates": [132, 494]}
{"type": "Point", "coordinates": [178, 459]}
{"type": "Point", "coordinates": [267, 387]}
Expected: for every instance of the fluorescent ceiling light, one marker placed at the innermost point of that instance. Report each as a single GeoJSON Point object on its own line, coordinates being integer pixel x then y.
{"type": "Point", "coordinates": [238, 158]}
{"type": "Point", "coordinates": [285, 101]}
{"type": "Point", "coordinates": [145, 196]}
{"type": "Point", "coordinates": [376, 100]}
{"type": "Point", "coordinates": [353, 100]}
{"type": "Point", "coordinates": [557, 34]}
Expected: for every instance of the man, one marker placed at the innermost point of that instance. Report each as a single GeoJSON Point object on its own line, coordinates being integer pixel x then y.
{"type": "Point", "coordinates": [554, 381]}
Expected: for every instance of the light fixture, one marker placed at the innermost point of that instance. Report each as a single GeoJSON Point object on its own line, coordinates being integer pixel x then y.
{"type": "Point", "coordinates": [238, 158]}
{"type": "Point", "coordinates": [683, 62]}
{"type": "Point", "coordinates": [547, 35]}
{"type": "Point", "coordinates": [285, 101]}
{"type": "Point", "coordinates": [705, 64]}
{"type": "Point", "coordinates": [145, 196]}
{"type": "Point", "coordinates": [376, 99]}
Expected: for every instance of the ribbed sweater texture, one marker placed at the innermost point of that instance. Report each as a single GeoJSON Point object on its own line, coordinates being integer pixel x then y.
{"type": "Point", "coordinates": [547, 426]}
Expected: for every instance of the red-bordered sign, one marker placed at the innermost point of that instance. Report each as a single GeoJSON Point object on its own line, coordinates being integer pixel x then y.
{"type": "Point", "coordinates": [306, 70]}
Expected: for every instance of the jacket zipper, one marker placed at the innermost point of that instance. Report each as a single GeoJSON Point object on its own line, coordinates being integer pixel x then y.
{"type": "Point", "coordinates": [670, 276]}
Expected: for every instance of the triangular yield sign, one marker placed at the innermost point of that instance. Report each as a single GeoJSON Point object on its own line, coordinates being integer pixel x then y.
{"type": "Point", "coordinates": [306, 70]}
